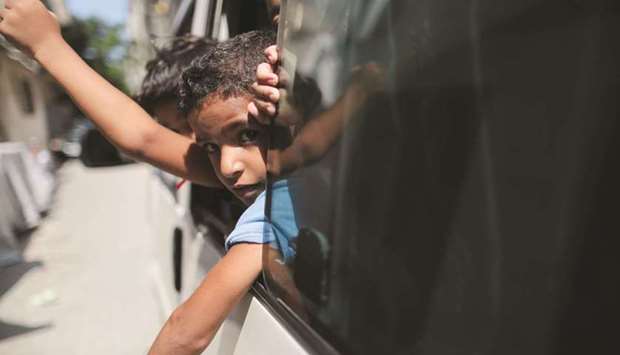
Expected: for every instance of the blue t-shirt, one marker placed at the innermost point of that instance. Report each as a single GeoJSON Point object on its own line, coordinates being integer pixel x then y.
{"type": "Point", "coordinates": [280, 230]}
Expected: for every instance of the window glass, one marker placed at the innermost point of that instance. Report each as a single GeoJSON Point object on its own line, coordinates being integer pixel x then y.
{"type": "Point", "coordinates": [446, 178]}
{"type": "Point", "coordinates": [214, 212]}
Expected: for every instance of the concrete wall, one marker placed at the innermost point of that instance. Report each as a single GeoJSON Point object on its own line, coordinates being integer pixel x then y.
{"type": "Point", "coordinates": [16, 123]}
{"type": "Point", "coordinates": [148, 26]}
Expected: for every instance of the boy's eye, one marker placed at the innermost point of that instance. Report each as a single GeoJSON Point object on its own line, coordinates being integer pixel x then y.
{"type": "Point", "coordinates": [248, 136]}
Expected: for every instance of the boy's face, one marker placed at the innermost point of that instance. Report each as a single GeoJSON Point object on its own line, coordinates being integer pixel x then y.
{"type": "Point", "coordinates": [168, 116]}
{"type": "Point", "coordinates": [236, 143]}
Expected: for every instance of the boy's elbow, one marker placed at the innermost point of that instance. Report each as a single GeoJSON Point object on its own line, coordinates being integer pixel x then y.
{"type": "Point", "coordinates": [136, 152]}
{"type": "Point", "coordinates": [137, 147]}
{"type": "Point", "coordinates": [187, 339]}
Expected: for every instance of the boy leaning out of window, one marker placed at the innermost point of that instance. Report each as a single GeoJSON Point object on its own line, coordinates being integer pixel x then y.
{"type": "Point", "coordinates": [235, 143]}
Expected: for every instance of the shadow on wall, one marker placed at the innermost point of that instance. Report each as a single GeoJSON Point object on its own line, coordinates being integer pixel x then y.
{"type": "Point", "coordinates": [8, 330]}
{"type": "Point", "coordinates": [9, 276]}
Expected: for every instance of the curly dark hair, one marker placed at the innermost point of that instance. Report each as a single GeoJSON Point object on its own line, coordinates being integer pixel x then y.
{"type": "Point", "coordinates": [228, 71]}
{"type": "Point", "coordinates": [163, 73]}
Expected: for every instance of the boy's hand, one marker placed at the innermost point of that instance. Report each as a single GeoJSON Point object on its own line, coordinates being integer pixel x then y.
{"type": "Point", "coordinates": [368, 79]}
{"type": "Point", "coordinates": [266, 92]}
{"type": "Point", "coordinates": [29, 24]}
{"type": "Point", "coordinates": [270, 95]}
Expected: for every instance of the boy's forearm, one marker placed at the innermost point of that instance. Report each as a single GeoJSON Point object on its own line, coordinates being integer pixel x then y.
{"type": "Point", "coordinates": [193, 325]}
{"type": "Point", "coordinates": [176, 337]}
{"type": "Point", "coordinates": [120, 119]}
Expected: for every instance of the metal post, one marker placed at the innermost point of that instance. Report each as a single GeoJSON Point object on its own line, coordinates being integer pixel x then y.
{"type": "Point", "coordinates": [200, 21]}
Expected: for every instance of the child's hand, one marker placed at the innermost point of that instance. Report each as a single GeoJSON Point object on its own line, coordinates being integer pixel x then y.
{"type": "Point", "coordinates": [270, 96]}
{"type": "Point", "coordinates": [368, 78]}
{"type": "Point", "coordinates": [29, 24]}
{"type": "Point", "coordinates": [267, 95]}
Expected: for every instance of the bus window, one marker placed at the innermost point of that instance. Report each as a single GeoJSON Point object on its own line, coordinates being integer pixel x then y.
{"type": "Point", "coordinates": [215, 210]}
{"type": "Point", "coordinates": [450, 179]}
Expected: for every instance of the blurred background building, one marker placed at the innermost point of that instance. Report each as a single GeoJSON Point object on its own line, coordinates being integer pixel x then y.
{"type": "Point", "coordinates": [149, 25]}
{"type": "Point", "coordinates": [38, 119]}
{"type": "Point", "coordinates": [27, 93]}
{"type": "Point", "coordinates": [30, 115]}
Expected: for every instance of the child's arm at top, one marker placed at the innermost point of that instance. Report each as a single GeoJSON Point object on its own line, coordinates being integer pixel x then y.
{"type": "Point", "coordinates": [123, 122]}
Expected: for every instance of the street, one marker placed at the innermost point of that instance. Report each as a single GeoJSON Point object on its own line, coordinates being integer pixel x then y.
{"type": "Point", "coordinates": [86, 283]}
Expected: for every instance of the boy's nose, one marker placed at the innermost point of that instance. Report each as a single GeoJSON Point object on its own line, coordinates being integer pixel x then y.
{"type": "Point", "coordinates": [231, 165]}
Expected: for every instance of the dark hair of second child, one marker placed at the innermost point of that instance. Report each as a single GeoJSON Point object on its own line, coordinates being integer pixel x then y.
{"type": "Point", "coordinates": [163, 73]}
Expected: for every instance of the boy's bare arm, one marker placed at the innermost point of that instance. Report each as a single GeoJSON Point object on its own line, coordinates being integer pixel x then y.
{"type": "Point", "coordinates": [122, 121]}
{"type": "Point", "coordinates": [192, 326]}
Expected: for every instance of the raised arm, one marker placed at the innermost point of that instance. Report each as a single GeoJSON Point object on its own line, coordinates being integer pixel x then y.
{"type": "Point", "coordinates": [121, 120]}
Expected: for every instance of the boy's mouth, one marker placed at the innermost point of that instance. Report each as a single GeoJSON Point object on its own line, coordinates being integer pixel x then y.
{"type": "Point", "coordinates": [248, 192]}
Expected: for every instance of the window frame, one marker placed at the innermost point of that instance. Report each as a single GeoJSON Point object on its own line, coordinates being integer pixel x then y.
{"type": "Point", "coordinates": [308, 338]}
{"type": "Point", "coordinates": [306, 335]}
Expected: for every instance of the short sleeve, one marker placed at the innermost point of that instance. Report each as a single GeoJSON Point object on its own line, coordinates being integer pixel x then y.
{"type": "Point", "coordinates": [253, 226]}
{"type": "Point", "coordinates": [280, 232]}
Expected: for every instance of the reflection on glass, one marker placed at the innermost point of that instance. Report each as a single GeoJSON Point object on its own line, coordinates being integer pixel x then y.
{"type": "Point", "coordinates": [322, 95]}
{"type": "Point", "coordinates": [451, 168]}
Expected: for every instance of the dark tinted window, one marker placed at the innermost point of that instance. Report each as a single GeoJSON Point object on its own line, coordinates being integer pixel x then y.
{"type": "Point", "coordinates": [243, 16]}
{"type": "Point", "coordinates": [469, 204]}
{"type": "Point", "coordinates": [214, 211]}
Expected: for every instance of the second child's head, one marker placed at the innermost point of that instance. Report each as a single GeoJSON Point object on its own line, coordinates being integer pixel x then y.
{"type": "Point", "coordinates": [158, 94]}
{"type": "Point", "coordinates": [214, 96]}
